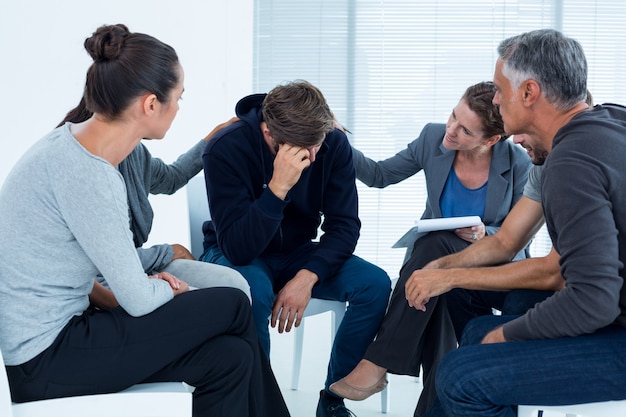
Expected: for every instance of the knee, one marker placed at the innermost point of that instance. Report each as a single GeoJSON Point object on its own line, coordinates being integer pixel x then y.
{"type": "Point", "coordinates": [378, 287]}
{"type": "Point", "coordinates": [236, 280]}
{"type": "Point", "coordinates": [451, 377]}
{"type": "Point", "coordinates": [235, 362]}
{"type": "Point", "coordinates": [434, 245]}
{"type": "Point", "coordinates": [260, 290]}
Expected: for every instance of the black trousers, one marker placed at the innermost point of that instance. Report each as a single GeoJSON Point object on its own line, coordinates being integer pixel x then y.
{"type": "Point", "coordinates": [409, 338]}
{"type": "Point", "coordinates": [205, 338]}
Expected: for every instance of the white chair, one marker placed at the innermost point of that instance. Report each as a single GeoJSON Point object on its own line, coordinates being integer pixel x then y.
{"type": "Point", "coordinates": [316, 306]}
{"type": "Point", "coordinates": [198, 206]}
{"type": "Point", "coordinates": [600, 409]}
{"type": "Point", "coordinates": [337, 310]}
{"type": "Point", "coordinates": [163, 399]}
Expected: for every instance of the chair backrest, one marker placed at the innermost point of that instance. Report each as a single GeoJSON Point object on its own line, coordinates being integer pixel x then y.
{"type": "Point", "coordinates": [198, 206]}
{"type": "Point", "coordinates": [5, 392]}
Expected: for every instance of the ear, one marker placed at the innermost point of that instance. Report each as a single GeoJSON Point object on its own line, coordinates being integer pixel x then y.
{"type": "Point", "coordinates": [531, 91]}
{"type": "Point", "coordinates": [493, 140]}
{"type": "Point", "coordinates": [150, 103]}
{"type": "Point", "coordinates": [267, 136]}
{"type": "Point", "coordinates": [266, 131]}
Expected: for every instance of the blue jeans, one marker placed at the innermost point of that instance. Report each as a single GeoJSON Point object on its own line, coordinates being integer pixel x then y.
{"type": "Point", "coordinates": [465, 305]}
{"type": "Point", "coordinates": [363, 285]}
{"type": "Point", "coordinates": [490, 380]}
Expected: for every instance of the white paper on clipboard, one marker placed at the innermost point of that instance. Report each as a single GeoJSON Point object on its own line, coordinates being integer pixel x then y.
{"type": "Point", "coordinates": [429, 225]}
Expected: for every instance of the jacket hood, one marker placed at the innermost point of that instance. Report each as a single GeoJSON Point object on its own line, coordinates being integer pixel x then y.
{"type": "Point", "coordinates": [248, 109]}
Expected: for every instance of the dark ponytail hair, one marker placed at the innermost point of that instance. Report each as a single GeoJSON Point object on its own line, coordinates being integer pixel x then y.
{"type": "Point", "coordinates": [126, 65]}
{"type": "Point", "coordinates": [77, 114]}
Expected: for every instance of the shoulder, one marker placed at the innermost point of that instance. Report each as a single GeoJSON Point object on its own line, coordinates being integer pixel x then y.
{"type": "Point", "coordinates": [138, 157]}
{"type": "Point", "coordinates": [517, 154]}
{"type": "Point", "coordinates": [239, 135]}
{"type": "Point", "coordinates": [433, 131]}
{"type": "Point", "coordinates": [337, 139]}
{"type": "Point", "coordinates": [430, 137]}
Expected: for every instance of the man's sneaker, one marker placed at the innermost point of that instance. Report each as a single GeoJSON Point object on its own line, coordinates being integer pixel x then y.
{"type": "Point", "coordinates": [331, 406]}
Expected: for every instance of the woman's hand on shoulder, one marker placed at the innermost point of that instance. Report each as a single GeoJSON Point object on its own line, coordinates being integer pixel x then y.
{"type": "Point", "coordinates": [220, 127]}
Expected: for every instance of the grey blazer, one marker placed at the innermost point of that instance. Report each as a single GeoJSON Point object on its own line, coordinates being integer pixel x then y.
{"type": "Point", "coordinates": [507, 174]}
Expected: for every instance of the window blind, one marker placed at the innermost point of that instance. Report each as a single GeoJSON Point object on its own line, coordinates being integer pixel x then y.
{"type": "Point", "coordinates": [388, 67]}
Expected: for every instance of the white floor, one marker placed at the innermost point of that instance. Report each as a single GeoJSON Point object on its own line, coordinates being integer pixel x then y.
{"type": "Point", "coordinates": [403, 390]}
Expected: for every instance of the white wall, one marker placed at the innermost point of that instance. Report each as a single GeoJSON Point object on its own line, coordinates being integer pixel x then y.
{"type": "Point", "coordinates": [43, 65]}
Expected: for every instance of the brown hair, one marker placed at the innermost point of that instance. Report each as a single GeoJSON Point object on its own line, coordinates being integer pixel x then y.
{"type": "Point", "coordinates": [297, 113]}
{"type": "Point", "coordinates": [479, 98]}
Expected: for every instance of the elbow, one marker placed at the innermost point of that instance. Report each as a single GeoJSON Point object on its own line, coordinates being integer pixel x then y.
{"type": "Point", "coordinates": [151, 301]}
{"type": "Point", "coordinates": [137, 311]}
{"type": "Point", "coordinates": [552, 270]}
{"type": "Point", "coordinates": [603, 318]}
{"type": "Point", "coordinates": [555, 282]}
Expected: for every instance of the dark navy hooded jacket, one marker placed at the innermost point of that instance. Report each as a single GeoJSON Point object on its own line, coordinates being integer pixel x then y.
{"type": "Point", "coordinates": [249, 221]}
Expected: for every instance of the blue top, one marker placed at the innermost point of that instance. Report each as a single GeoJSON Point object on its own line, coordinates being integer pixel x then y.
{"type": "Point", "coordinates": [249, 221]}
{"type": "Point", "coordinates": [508, 173]}
{"type": "Point", "coordinates": [458, 200]}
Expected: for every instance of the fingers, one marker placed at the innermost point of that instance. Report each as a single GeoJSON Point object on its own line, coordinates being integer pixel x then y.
{"type": "Point", "coordinates": [174, 282]}
{"type": "Point", "coordinates": [416, 298]}
{"type": "Point", "coordinates": [220, 127]}
{"type": "Point", "coordinates": [296, 154]}
{"type": "Point", "coordinates": [471, 234]}
{"type": "Point", "coordinates": [285, 319]}
{"type": "Point", "coordinates": [289, 163]}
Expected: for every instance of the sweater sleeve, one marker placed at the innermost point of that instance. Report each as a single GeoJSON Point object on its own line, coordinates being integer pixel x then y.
{"type": "Point", "coordinates": [105, 237]}
{"type": "Point", "coordinates": [167, 179]}
{"type": "Point", "coordinates": [156, 257]}
{"type": "Point", "coordinates": [380, 174]}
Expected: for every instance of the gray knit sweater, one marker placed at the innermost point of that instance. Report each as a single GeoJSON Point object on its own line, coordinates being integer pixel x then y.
{"type": "Point", "coordinates": [64, 218]}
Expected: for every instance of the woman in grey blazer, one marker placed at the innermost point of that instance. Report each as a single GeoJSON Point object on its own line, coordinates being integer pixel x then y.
{"type": "Point", "coordinates": [470, 169]}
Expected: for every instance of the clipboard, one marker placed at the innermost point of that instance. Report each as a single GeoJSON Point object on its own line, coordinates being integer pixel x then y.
{"type": "Point", "coordinates": [429, 225]}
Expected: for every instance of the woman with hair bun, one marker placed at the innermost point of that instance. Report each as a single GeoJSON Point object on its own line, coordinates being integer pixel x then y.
{"type": "Point", "coordinates": [66, 220]}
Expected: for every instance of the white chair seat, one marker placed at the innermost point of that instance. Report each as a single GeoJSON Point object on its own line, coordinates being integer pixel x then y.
{"type": "Point", "coordinates": [162, 399]}
{"type": "Point", "coordinates": [599, 409]}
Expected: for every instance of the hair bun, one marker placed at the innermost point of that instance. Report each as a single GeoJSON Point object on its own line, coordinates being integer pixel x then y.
{"type": "Point", "coordinates": [107, 42]}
